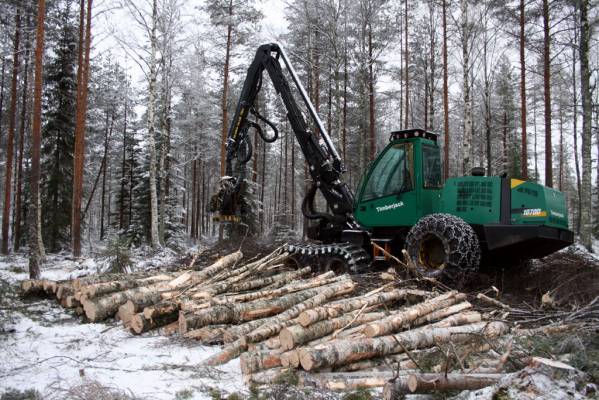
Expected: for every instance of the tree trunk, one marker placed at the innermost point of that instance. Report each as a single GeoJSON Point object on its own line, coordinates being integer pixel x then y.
{"type": "Point", "coordinates": [575, 135]}
{"type": "Point", "coordinates": [406, 65]}
{"type": "Point", "coordinates": [23, 122]}
{"type": "Point", "coordinates": [2, 93]}
{"type": "Point", "coordinates": [547, 95]}
{"type": "Point", "coordinates": [80, 118]}
{"type": "Point", "coordinates": [123, 167]}
{"type": "Point", "coordinates": [225, 126]}
{"type": "Point", "coordinates": [586, 223]}
{"type": "Point", "coordinates": [371, 113]}
{"type": "Point", "coordinates": [467, 138]}
{"type": "Point", "coordinates": [154, 237]}
{"type": "Point", "coordinates": [445, 96]}
{"type": "Point", "coordinates": [12, 117]}
{"type": "Point", "coordinates": [35, 250]}
{"type": "Point", "coordinates": [524, 150]}
{"type": "Point", "coordinates": [108, 133]}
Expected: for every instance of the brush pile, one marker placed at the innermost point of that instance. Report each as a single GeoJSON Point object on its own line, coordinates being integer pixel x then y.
{"type": "Point", "coordinates": [282, 319]}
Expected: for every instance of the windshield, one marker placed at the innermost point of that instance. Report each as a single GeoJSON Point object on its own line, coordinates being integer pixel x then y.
{"type": "Point", "coordinates": [431, 166]}
{"type": "Point", "coordinates": [392, 174]}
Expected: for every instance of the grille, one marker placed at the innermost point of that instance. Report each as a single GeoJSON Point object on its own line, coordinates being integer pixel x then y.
{"type": "Point", "coordinates": [474, 194]}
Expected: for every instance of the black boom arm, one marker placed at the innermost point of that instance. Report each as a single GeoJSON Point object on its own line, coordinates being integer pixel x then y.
{"type": "Point", "coordinates": [324, 163]}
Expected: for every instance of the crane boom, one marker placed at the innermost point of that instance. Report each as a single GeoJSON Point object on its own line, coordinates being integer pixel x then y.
{"type": "Point", "coordinates": [324, 163]}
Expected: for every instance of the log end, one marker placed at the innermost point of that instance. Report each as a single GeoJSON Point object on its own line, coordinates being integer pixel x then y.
{"type": "Point", "coordinates": [138, 324]}
{"type": "Point", "coordinates": [182, 323]}
{"type": "Point", "coordinates": [286, 339]}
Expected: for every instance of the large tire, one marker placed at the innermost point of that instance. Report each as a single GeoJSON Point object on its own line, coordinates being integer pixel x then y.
{"type": "Point", "coordinates": [444, 246]}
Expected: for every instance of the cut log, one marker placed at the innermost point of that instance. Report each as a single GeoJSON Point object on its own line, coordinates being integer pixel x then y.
{"type": "Point", "coordinates": [64, 290]}
{"type": "Point", "coordinates": [402, 319]}
{"type": "Point", "coordinates": [442, 313]}
{"type": "Point", "coordinates": [100, 289]}
{"type": "Point", "coordinates": [347, 381]}
{"type": "Point", "coordinates": [231, 351]}
{"type": "Point", "coordinates": [207, 335]}
{"type": "Point", "coordinates": [297, 335]}
{"type": "Point", "coordinates": [268, 377]}
{"type": "Point", "coordinates": [291, 288]}
{"type": "Point", "coordinates": [106, 306]}
{"type": "Point", "coordinates": [161, 310]}
{"type": "Point", "coordinates": [344, 351]}
{"type": "Point", "coordinates": [390, 362]}
{"type": "Point", "coordinates": [284, 319]}
{"type": "Point", "coordinates": [33, 287]}
{"type": "Point", "coordinates": [493, 302]}
{"type": "Point", "coordinates": [236, 313]}
{"type": "Point", "coordinates": [221, 287]}
{"type": "Point", "coordinates": [257, 361]}
{"type": "Point", "coordinates": [278, 279]}
{"type": "Point", "coordinates": [72, 302]}
{"type": "Point", "coordinates": [140, 324]}
{"type": "Point", "coordinates": [190, 278]}
{"type": "Point", "coordinates": [50, 287]}
{"type": "Point", "coordinates": [238, 274]}
{"type": "Point", "coordinates": [424, 383]}
{"type": "Point", "coordinates": [336, 309]}
{"type": "Point", "coordinates": [169, 329]}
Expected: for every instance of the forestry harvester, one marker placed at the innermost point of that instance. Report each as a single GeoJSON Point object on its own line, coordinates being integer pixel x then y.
{"type": "Point", "coordinates": [448, 229]}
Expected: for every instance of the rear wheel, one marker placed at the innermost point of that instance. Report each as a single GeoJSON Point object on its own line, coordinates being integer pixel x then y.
{"type": "Point", "coordinates": [445, 246]}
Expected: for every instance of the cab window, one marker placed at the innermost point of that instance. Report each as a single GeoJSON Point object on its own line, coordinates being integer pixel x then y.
{"type": "Point", "coordinates": [393, 173]}
{"type": "Point", "coordinates": [431, 167]}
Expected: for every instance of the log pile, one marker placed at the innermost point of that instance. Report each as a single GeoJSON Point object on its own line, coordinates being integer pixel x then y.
{"type": "Point", "coordinates": [281, 319]}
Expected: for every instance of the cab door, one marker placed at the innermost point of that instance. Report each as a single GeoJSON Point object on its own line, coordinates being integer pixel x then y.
{"type": "Point", "coordinates": [388, 196]}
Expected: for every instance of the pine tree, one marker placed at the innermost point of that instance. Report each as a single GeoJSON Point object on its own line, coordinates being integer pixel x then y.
{"type": "Point", "coordinates": [58, 133]}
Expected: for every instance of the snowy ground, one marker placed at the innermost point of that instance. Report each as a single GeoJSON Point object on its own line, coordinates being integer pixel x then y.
{"type": "Point", "coordinates": [46, 348]}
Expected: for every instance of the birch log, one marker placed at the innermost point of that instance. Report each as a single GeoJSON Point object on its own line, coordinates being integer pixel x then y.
{"type": "Point", "coordinates": [342, 352]}
{"type": "Point", "coordinates": [403, 318]}
{"type": "Point", "coordinates": [235, 313]}
{"type": "Point", "coordinates": [297, 335]}
{"type": "Point", "coordinates": [338, 308]}
{"type": "Point", "coordinates": [424, 383]}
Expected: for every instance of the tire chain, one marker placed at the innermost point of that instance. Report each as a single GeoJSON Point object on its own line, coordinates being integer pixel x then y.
{"type": "Point", "coordinates": [354, 256]}
{"type": "Point", "coordinates": [465, 255]}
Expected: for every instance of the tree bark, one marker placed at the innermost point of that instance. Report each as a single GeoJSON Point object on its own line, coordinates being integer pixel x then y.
{"type": "Point", "coordinates": [342, 352]}
{"type": "Point", "coordinates": [225, 126]}
{"type": "Point", "coordinates": [35, 250]}
{"type": "Point", "coordinates": [80, 118]}
{"type": "Point", "coordinates": [586, 225]}
{"type": "Point", "coordinates": [523, 115]}
{"type": "Point", "coordinates": [406, 66]}
{"type": "Point", "coordinates": [467, 138]}
{"type": "Point", "coordinates": [445, 96]}
{"type": "Point", "coordinates": [23, 122]}
{"type": "Point", "coordinates": [221, 314]}
{"type": "Point", "coordinates": [371, 113]}
{"type": "Point", "coordinates": [297, 335]}
{"type": "Point", "coordinates": [336, 309]}
{"type": "Point", "coordinates": [402, 319]}
{"type": "Point", "coordinates": [425, 383]}
{"type": "Point", "coordinates": [154, 237]}
{"type": "Point", "coordinates": [547, 95]}
{"type": "Point", "coordinates": [12, 117]}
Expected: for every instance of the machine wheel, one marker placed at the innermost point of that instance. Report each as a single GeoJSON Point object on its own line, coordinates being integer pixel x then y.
{"type": "Point", "coordinates": [445, 246]}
